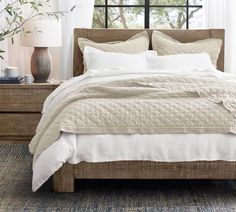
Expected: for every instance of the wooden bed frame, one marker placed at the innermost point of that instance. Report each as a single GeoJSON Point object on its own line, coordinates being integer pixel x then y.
{"type": "Point", "coordinates": [63, 179]}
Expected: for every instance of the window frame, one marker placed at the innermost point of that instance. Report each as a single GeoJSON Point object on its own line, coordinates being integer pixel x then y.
{"type": "Point", "coordinates": [147, 8]}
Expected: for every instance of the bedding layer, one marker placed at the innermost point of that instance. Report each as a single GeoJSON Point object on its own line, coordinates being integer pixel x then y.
{"type": "Point", "coordinates": [146, 105]}
{"type": "Point", "coordinates": [74, 148]}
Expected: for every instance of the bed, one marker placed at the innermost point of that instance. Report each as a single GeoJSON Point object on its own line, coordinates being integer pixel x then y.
{"type": "Point", "coordinates": [64, 178]}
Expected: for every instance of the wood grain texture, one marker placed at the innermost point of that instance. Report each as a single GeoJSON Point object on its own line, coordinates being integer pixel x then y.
{"type": "Point", "coordinates": [217, 170]}
{"type": "Point", "coordinates": [23, 99]}
{"type": "Point", "coordinates": [18, 124]}
{"type": "Point", "coordinates": [20, 110]}
{"type": "Point", "coordinates": [108, 35]}
{"type": "Point", "coordinates": [63, 179]}
{"type": "Point", "coordinates": [15, 139]}
{"type": "Point", "coordinates": [156, 170]}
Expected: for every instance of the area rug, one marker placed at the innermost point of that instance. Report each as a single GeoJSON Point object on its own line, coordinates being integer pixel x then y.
{"type": "Point", "coordinates": [108, 195]}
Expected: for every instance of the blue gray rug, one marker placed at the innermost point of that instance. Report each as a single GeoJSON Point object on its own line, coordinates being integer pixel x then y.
{"type": "Point", "coordinates": [92, 195]}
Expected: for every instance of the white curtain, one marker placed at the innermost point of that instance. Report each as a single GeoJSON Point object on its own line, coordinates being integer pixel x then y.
{"type": "Point", "coordinates": [221, 14]}
{"type": "Point", "coordinates": [81, 17]}
{"type": "Point", "coordinates": [16, 55]}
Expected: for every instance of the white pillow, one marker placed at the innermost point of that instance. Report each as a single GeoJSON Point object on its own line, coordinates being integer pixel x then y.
{"type": "Point", "coordinates": [98, 59]}
{"type": "Point", "coordinates": [200, 61]}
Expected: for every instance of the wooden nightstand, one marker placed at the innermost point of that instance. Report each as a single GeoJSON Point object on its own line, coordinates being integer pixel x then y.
{"type": "Point", "coordinates": [20, 110]}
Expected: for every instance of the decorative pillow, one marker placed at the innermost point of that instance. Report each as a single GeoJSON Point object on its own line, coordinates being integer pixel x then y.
{"type": "Point", "coordinates": [137, 43]}
{"type": "Point", "coordinates": [181, 61]}
{"type": "Point", "coordinates": [165, 45]}
{"type": "Point", "coordinates": [98, 59]}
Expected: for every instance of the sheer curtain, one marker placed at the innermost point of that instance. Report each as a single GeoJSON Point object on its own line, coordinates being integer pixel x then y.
{"type": "Point", "coordinates": [81, 17]}
{"type": "Point", "coordinates": [221, 14]}
{"type": "Point", "coordinates": [16, 55]}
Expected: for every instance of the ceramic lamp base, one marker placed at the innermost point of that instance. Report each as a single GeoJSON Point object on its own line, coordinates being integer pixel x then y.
{"type": "Point", "coordinates": [41, 64]}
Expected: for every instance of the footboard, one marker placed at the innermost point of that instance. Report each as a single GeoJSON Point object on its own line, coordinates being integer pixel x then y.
{"type": "Point", "coordinates": [63, 180]}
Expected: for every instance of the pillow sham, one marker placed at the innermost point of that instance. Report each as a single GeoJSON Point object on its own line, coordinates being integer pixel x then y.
{"type": "Point", "coordinates": [181, 61]}
{"type": "Point", "coordinates": [97, 59]}
{"type": "Point", "coordinates": [137, 43]}
{"type": "Point", "coordinates": [165, 45]}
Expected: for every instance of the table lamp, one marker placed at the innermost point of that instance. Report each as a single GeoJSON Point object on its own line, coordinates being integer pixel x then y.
{"type": "Point", "coordinates": [44, 33]}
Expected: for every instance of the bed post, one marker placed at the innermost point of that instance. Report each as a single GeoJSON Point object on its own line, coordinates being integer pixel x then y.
{"type": "Point", "coordinates": [63, 179]}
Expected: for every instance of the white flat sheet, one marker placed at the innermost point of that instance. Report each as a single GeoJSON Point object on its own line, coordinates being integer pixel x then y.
{"type": "Point", "coordinates": [74, 148]}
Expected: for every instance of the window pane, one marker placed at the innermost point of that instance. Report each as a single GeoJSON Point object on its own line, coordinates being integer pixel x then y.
{"type": "Point", "coordinates": [126, 17]}
{"type": "Point", "coordinates": [168, 18]}
{"type": "Point", "coordinates": [126, 2]}
{"type": "Point", "coordinates": [195, 18]}
{"type": "Point", "coordinates": [195, 2]}
{"type": "Point", "coordinates": [168, 2]}
{"type": "Point", "coordinates": [99, 17]}
{"type": "Point", "coordinates": [99, 2]}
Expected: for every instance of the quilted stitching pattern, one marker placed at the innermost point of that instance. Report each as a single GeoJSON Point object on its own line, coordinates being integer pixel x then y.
{"type": "Point", "coordinates": [145, 115]}
{"type": "Point", "coordinates": [165, 45]}
{"type": "Point", "coordinates": [163, 104]}
{"type": "Point", "coordinates": [136, 44]}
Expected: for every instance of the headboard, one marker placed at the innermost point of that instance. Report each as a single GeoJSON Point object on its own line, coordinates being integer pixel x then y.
{"type": "Point", "coordinates": [108, 35]}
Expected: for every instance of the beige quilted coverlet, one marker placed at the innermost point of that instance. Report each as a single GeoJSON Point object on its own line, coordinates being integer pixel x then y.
{"type": "Point", "coordinates": [163, 104]}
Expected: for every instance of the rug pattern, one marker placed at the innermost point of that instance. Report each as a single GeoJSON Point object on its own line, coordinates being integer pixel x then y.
{"type": "Point", "coordinates": [110, 195]}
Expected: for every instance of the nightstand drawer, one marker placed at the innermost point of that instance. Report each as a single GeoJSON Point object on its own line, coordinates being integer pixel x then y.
{"type": "Point", "coordinates": [20, 110]}
{"type": "Point", "coordinates": [23, 99]}
{"type": "Point", "coordinates": [18, 124]}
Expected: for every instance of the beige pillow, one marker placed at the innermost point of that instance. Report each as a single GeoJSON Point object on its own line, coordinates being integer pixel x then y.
{"type": "Point", "coordinates": [165, 45]}
{"type": "Point", "coordinates": [137, 43]}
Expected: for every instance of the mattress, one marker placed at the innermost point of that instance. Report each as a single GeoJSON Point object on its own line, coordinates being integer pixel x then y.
{"type": "Point", "coordinates": [74, 148]}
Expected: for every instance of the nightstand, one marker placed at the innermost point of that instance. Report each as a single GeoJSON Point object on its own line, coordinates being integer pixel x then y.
{"type": "Point", "coordinates": [20, 110]}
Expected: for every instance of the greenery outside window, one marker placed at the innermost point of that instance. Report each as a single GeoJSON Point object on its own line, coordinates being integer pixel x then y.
{"type": "Point", "coordinates": [162, 14]}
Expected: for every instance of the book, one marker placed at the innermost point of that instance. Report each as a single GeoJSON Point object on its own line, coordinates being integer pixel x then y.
{"type": "Point", "coordinates": [11, 80]}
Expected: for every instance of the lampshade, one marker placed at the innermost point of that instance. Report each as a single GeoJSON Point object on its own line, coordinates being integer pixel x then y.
{"type": "Point", "coordinates": [45, 33]}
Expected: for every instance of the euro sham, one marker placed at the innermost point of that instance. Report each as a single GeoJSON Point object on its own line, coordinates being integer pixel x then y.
{"type": "Point", "coordinates": [137, 43]}
{"type": "Point", "coordinates": [166, 45]}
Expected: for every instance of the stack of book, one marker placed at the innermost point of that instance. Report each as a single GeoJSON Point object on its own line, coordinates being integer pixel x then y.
{"type": "Point", "coordinates": [11, 80]}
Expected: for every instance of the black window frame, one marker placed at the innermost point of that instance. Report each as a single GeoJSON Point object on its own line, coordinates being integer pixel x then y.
{"type": "Point", "coordinates": [147, 8]}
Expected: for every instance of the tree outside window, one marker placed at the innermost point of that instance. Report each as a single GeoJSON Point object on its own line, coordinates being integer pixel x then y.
{"type": "Point", "coordinates": [162, 14]}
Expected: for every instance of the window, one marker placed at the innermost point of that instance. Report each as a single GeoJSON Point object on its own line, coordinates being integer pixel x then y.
{"type": "Point", "coordinates": [172, 14]}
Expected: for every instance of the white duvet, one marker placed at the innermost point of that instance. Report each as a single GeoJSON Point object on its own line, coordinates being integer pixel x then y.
{"type": "Point", "coordinates": [73, 148]}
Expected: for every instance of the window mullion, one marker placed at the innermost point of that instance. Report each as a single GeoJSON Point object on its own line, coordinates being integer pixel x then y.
{"type": "Point", "coordinates": [187, 14]}
{"type": "Point", "coordinates": [106, 14]}
{"type": "Point", "coordinates": [147, 14]}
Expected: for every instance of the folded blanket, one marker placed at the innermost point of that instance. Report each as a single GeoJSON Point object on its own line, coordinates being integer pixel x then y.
{"type": "Point", "coordinates": [161, 104]}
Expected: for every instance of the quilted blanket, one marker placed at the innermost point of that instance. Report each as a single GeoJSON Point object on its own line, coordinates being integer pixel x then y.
{"type": "Point", "coordinates": [161, 104]}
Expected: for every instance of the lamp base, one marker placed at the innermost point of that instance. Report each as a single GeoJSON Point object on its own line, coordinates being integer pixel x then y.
{"type": "Point", "coordinates": [41, 81]}
{"type": "Point", "coordinates": [41, 64]}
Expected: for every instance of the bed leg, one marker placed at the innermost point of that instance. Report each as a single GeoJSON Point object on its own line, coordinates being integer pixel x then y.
{"type": "Point", "coordinates": [63, 179]}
